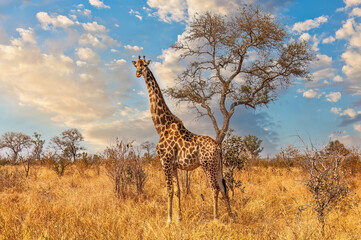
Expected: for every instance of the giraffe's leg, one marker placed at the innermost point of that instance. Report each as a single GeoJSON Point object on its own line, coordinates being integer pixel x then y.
{"type": "Point", "coordinates": [223, 189]}
{"type": "Point", "coordinates": [215, 203]}
{"type": "Point", "coordinates": [170, 196]}
{"type": "Point", "coordinates": [168, 170]}
{"type": "Point", "coordinates": [178, 193]}
{"type": "Point", "coordinates": [212, 179]}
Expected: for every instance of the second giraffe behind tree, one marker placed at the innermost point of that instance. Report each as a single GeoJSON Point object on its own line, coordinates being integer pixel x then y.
{"type": "Point", "coordinates": [178, 148]}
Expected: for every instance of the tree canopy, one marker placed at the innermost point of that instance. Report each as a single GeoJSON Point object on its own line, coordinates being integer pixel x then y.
{"type": "Point", "coordinates": [237, 60]}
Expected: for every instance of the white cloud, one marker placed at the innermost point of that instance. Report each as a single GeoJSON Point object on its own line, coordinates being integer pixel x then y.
{"type": "Point", "coordinates": [98, 4]}
{"type": "Point", "coordinates": [49, 82]}
{"type": "Point", "coordinates": [328, 40]}
{"type": "Point", "coordinates": [309, 24]}
{"type": "Point", "coordinates": [335, 110]}
{"type": "Point", "coordinates": [94, 27]}
{"type": "Point", "coordinates": [81, 63]}
{"type": "Point", "coordinates": [338, 78]}
{"type": "Point", "coordinates": [116, 63]}
{"type": "Point", "coordinates": [305, 36]}
{"type": "Point", "coordinates": [136, 14]}
{"type": "Point", "coordinates": [89, 39]}
{"type": "Point", "coordinates": [170, 67]}
{"type": "Point", "coordinates": [56, 21]}
{"type": "Point", "coordinates": [325, 73]}
{"type": "Point", "coordinates": [350, 3]}
{"type": "Point", "coordinates": [26, 36]}
{"type": "Point", "coordinates": [356, 12]}
{"type": "Point", "coordinates": [87, 54]}
{"type": "Point", "coordinates": [322, 61]}
{"type": "Point", "coordinates": [133, 48]}
{"type": "Point", "coordinates": [357, 127]}
{"type": "Point", "coordinates": [169, 11]}
{"type": "Point", "coordinates": [314, 39]}
{"type": "Point", "coordinates": [333, 96]}
{"type": "Point", "coordinates": [352, 69]}
{"type": "Point", "coordinates": [349, 112]}
{"type": "Point", "coordinates": [311, 93]}
{"type": "Point", "coordinates": [99, 41]}
{"type": "Point", "coordinates": [347, 29]}
{"type": "Point", "coordinates": [85, 12]}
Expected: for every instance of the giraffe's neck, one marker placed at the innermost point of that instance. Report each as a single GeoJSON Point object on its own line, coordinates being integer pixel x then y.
{"type": "Point", "coordinates": [161, 115]}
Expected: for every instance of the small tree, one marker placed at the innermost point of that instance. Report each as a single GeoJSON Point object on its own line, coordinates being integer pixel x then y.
{"type": "Point", "coordinates": [65, 148]}
{"type": "Point", "coordinates": [234, 158]}
{"type": "Point", "coordinates": [16, 142]}
{"type": "Point", "coordinates": [288, 156]}
{"type": "Point", "coordinates": [70, 139]}
{"type": "Point", "coordinates": [238, 60]}
{"type": "Point", "coordinates": [38, 145]}
{"type": "Point", "coordinates": [149, 148]}
{"type": "Point", "coordinates": [124, 168]}
{"type": "Point", "coordinates": [327, 182]}
{"type": "Point", "coordinates": [253, 146]}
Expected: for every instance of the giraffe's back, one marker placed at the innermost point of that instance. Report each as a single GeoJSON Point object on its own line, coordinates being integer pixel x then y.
{"type": "Point", "coordinates": [186, 148]}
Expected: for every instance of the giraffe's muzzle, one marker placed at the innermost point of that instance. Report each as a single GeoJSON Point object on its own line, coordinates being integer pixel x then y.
{"type": "Point", "coordinates": [138, 74]}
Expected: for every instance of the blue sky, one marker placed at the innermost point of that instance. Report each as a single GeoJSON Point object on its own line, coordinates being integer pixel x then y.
{"type": "Point", "coordinates": [66, 64]}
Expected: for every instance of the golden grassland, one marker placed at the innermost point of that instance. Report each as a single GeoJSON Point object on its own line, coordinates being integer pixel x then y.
{"type": "Point", "coordinates": [83, 206]}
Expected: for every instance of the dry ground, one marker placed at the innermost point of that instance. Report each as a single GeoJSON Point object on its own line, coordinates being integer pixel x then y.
{"type": "Point", "coordinates": [83, 206]}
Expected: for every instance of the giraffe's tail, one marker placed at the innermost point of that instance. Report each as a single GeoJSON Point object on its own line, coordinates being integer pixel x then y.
{"type": "Point", "coordinates": [223, 185]}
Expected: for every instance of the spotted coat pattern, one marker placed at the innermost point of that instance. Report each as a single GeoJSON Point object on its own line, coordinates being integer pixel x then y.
{"type": "Point", "coordinates": [179, 148]}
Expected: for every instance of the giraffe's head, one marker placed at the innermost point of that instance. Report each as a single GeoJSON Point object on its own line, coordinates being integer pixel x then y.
{"type": "Point", "coordinates": [141, 65]}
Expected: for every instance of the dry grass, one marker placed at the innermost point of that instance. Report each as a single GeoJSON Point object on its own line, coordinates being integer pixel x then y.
{"type": "Point", "coordinates": [85, 207]}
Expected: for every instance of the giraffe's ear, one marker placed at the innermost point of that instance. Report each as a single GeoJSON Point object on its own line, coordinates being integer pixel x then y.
{"type": "Point", "coordinates": [148, 62]}
{"type": "Point", "coordinates": [134, 63]}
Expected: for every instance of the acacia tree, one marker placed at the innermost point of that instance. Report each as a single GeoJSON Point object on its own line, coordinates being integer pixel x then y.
{"type": "Point", "coordinates": [68, 143]}
{"type": "Point", "coordinates": [38, 145]}
{"type": "Point", "coordinates": [252, 145]}
{"type": "Point", "coordinates": [234, 158]}
{"type": "Point", "coordinates": [16, 142]}
{"type": "Point", "coordinates": [238, 60]}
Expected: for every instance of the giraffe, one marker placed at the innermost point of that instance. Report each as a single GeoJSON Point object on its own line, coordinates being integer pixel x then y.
{"type": "Point", "coordinates": [178, 148]}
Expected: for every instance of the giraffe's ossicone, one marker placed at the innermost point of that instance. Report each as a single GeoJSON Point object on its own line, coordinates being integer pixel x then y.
{"type": "Point", "coordinates": [178, 148]}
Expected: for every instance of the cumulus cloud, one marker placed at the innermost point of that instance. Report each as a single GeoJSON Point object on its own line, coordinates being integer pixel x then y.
{"type": "Point", "coordinates": [352, 67]}
{"type": "Point", "coordinates": [56, 21]}
{"type": "Point", "coordinates": [321, 61]}
{"type": "Point", "coordinates": [357, 127]}
{"type": "Point", "coordinates": [98, 4]}
{"type": "Point", "coordinates": [351, 3]}
{"type": "Point", "coordinates": [87, 54]}
{"type": "Point", "coordinates": [181, 10]}
{"type": "Point", "coordinates": [338, 78]}
{"type": "Point", "coordinates": [356, 12]}
{"type": "Point", "coordinates": [97, 41]}
{"type": "Point", "coordinates": [48, 82]}
{"type": "Point", "coordinates": [169, 11]}
{"type": "Point", "coordinates": [327, 40]}
{"type": "Point", "coordinates": [135, 49]}
{"type": "Point", "coordinates": [335, 110]}
{"type": "Point", "coordinates": [311, 93]}
{"type": "Point", "coordinates": [309, 24]}
{"type": "Point", "coordinates": [324, 74]}
{"type": "Point", "coordinates": [94, 27]}
{"type": "Point", "coordinates": [27, 36]}
{"type": "Point", "coordinates": [333, 96]}
{"type": "Point", "coordinates": [348, 112]}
